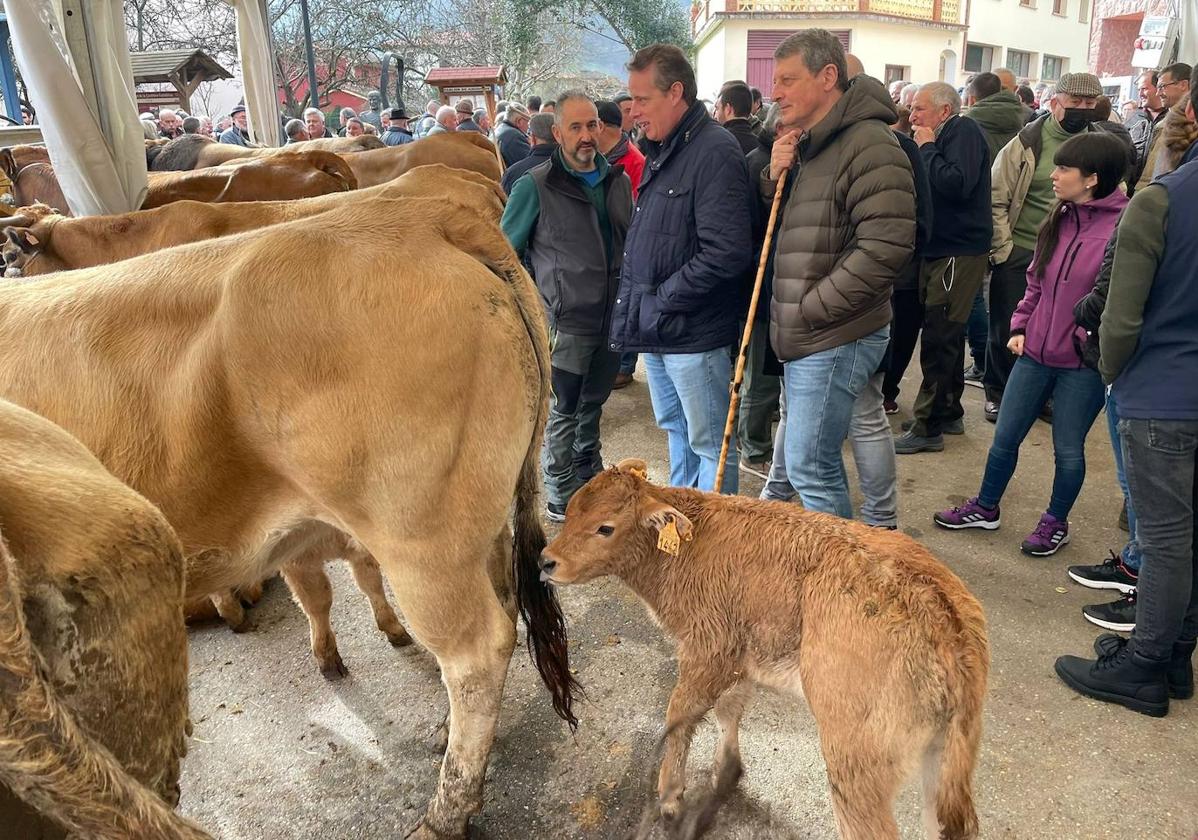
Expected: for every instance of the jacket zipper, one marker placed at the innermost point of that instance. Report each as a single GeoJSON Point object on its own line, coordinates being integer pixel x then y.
{"type": "Point", "coordinates": [1062, 276]}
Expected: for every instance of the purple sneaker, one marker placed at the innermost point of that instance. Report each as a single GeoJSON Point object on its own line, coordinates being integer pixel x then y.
{"type": "Point", "coordinates": [1047, 539]}
{"type": "Point", "coordinates": [969, 515]}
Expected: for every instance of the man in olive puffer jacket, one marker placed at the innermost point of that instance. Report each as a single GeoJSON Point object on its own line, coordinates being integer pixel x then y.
{"type": "Point", "coordinates": [848, 229]}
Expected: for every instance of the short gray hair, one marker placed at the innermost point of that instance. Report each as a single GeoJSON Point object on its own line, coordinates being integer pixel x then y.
{"type": "Point", "coordinates": [540, 126]}
{"type": "Point", "coordinates": [818, 48]}
{"type": "Point", "coordinates": [446, 111]}
{"type": "Point", "coordinates": [564, 97]}
{"type": "Point", "coordinates": [942, 93]}
{"type": "Point", "coordinates": [309, 111]}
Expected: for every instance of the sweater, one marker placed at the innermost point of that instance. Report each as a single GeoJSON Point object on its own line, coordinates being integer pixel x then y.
{"type": "Point", "coordinates": [1040, 197]}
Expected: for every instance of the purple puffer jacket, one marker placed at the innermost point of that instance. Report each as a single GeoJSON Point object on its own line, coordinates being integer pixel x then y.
{"type": "Point", "coordinates": [1045, 315]}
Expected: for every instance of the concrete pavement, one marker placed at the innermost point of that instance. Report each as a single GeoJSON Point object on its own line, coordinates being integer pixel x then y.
{"type": "Point", "coordinates": [279, 752]}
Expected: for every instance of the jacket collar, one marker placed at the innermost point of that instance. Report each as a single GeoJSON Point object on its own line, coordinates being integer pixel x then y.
{"type": "Point", "coordinates": [559, 165]}
{"type": "Point", "coordinates": [692, 121]}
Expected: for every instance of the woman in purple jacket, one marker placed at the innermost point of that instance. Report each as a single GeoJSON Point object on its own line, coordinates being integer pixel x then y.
{"type": "Point", "coordinates": [1068, 255]}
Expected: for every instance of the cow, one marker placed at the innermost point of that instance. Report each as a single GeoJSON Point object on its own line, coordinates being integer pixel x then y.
{"type": "Point", "coordinates": [255, 384]}
{"type": "Point", "coordinates": [36, 183]}
{"type": "Point", "coordinates": [195, 151]}
{"type": "Point", "coordinates": [93, 652]}
{"type": "Point", "coordinates": [462, 149]}
{"type": "Point", "coordinates": [15, 158]}
{"type": "Point", "coordinates": [273, 178]}
{"type": "Point", "coordinates": [886, 644]}
{"type": "Point", "coordinates": [39, 241]}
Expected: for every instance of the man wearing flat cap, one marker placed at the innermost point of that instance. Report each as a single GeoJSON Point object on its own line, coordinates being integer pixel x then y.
{"type": "Point", "coordinates": [238, 134]}
{"type": "Point", "coordinates": [397, 132]}
{"type": "Point", "coordinates": [465, 109]}
{"type": "Point", "coordinates": [512, 134]}
{"type": "Point", "coordinates": [1021, 196]}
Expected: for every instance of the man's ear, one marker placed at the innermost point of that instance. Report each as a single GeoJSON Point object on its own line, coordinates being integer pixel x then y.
{"type": "Point", "coordinates": [634, 466]}
{"type": "Point", "coordinates": [657, 515]}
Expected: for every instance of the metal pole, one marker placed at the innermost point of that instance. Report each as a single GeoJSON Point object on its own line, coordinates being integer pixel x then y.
{"type": "Point", "coordinates": [313, 91]}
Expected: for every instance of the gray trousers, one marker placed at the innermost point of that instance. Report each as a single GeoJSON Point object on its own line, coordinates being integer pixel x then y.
{"type": "Point", "coordinates": [583, 373]}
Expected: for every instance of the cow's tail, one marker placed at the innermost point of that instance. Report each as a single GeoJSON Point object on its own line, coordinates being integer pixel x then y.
{"type": "Point", "coordinates": [535, 599]}
{"type": "Point", "coordinates": [54, 766]}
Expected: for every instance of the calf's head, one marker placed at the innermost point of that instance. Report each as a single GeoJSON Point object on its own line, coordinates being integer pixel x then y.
{"type": "Point", "coordinates": [613, 524]}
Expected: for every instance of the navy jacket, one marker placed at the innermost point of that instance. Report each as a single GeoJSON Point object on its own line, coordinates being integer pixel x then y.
{"type": "Point", "coordinates": [539, 154]}
{"type": "Point", "coordinates": [689, 246]}
{"type": "Point", "coordinates": [513, 145]}
{"type": "Point", "coordinates": [958, 165]}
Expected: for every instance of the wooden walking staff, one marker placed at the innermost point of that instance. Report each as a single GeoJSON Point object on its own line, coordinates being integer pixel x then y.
{"type": "Point", "coordinates": [738, 378]}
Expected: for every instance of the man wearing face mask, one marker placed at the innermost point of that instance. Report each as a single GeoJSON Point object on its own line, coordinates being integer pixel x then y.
{"type": "Point", "coordinates": [1020, 197]}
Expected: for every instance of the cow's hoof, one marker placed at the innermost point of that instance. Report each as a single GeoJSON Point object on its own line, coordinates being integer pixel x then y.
{"type": "Point", "coordinates": [245, 625]}
{"type": "Point", "coordinates": [333, 668]}
{"type": "Point", "coordinates": [400, 639]}
{"type": "Point", "coordinates": [438, 741]}
{"type": "Point", "coordinates": [671, 808]}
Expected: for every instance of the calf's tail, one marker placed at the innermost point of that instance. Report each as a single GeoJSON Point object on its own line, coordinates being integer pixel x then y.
{"type": "Point", "coordinates": [954, 794]}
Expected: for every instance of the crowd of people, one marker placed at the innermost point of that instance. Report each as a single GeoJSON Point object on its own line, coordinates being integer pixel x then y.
{"type": "Point", "coordinates": [1024, 224]}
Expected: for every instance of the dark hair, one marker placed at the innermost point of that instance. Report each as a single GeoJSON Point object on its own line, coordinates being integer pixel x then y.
{"type": "Point", "coordinates": [552, 103]}
{"type": "Point", "coordinates": [1026, 95]}
{"type": "Point", "coordinates": [738, 97]}
{"type": "Point", "coordinates": [1102, 109]}
{"type": "Point", "coordinates": [1094, 153]}
{"type": "Point", "coordinates": [983, 85]}
{"type": "Point", "coordinates": [818, 48]}
{"type": "Point", "coordinates": [533, 104]}
{"type": "Point", "coordinates": [191, 125]}
{"type": "Point", "coordinates": [669, 67]}
{"type": "Point", "coordinates": [1194, 85]}
{"type": "Point", "coordinates": [756, 94]}
{"type": "Point", "coordinates": [1180, 71]}
{"type": "Point", "coordinates": [1152, 76]}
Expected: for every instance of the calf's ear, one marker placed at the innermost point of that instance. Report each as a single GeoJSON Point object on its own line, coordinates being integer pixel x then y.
{"type": "Point", "coordinates": [658, 515]}
{"type": "Point", "coordinates": [634, 466]}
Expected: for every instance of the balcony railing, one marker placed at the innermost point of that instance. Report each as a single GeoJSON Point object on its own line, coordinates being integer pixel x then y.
{"type": "Point", "coordinates": [947, 11]}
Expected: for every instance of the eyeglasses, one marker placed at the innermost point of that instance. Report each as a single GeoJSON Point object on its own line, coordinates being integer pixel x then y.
{"type": "Point", "coordinates": [1161, 86]}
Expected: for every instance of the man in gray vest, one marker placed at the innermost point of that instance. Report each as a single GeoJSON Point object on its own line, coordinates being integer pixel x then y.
{"type": "Point", "coordinates": [568, 218]}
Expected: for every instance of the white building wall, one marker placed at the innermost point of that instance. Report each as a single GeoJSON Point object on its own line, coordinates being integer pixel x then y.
{"type": "Point", "coordinates": [1006, 25]}
{"type": "Point", "coordinates": [710, 65]}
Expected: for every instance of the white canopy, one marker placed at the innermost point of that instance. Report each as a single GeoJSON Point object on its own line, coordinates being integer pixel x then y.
{"type": "Point", "coordinates": [257, 70]}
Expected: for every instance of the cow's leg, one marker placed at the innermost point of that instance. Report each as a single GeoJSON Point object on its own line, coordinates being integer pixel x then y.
{"type": "Point", "coordinates": [370, 580]}
{"type": "Point", "coordinates": [728, 711]}
{"type": "Point", "coordinates": [452, 609]}
{"type": "Point", "coordinates": [310, 585]}
{"type": "Point", "coordinates": [228, 606]}
{"type": "Point", "coordinates": [699, 686]}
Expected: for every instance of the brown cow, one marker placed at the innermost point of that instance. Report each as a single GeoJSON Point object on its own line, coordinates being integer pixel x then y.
{"type": "Point", "coordinates": [257, 383]}
{"type": "Point", "coordinates": [463, 149]}
{"type": "Point", "coordinates": [273, 178]}
{"type": "Point", "coordinates": [93, 654]}
{"type": "Point", "coordinates": [36, 183]}
{"type": "Point", "coordinates": [886, 644]}
{"type": "Point", "coordinates": [39, 241]}
{"type": "Point", "coordinates": [15, 158]}
{"type": "Point", "coordinates": [195, 151]}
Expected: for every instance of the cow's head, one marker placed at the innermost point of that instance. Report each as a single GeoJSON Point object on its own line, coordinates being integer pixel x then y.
{"type": "Point", "coordinates": [616, 521]}
{"type": "Point", "coordinates": [26, 236]}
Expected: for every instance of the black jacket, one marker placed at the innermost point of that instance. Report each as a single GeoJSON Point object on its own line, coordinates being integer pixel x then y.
{"type": "Point", "coordinates": [742, 130]}
{"type": "Point", "coordinates": [1087, 314]}
{"type": "Point", "coordinates": [958, 166]}
{"type": "Point", "coordinates": [689, 244]}
{"type": "Point", "coordinates": [513, 145]}
{"type": "Point", "coordinates": [908, 278]}
{"type": "Point", "coordinates": [537, 156]}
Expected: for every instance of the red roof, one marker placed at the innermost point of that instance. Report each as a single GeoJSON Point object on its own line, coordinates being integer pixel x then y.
{"type": "Point", "coordinates": [466, 74]}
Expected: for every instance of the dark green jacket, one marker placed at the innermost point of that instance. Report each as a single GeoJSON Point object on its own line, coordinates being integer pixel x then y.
{"type": "Point", "coordinates": [1001, 116]}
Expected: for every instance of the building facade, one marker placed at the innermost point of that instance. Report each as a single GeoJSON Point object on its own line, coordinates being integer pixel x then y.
{"type": "Point", "coordinates": [916, 40]}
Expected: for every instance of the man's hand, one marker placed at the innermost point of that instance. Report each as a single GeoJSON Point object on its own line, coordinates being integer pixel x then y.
{"type": "Point", "coordinates": [924, 136]}
{"type": "Point", "coordinates": [783, 156]}
{"type": "Point", "coordinates": [1015, 345]}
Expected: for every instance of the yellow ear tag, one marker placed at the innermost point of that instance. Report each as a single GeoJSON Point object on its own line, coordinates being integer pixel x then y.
{"type": "Point", "coordinates": [668, 539]}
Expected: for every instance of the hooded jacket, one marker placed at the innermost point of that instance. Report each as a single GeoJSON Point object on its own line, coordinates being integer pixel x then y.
{"type": "Point", "coordinates": [848, 227]}
{"type": "Point", "coordinates": [1045, 315]}
{"type": "Point", "coordinates": [1001, 116]}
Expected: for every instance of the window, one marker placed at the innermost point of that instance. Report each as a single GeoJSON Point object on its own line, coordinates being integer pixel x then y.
{"type": "Point", "coordinates": [895, 73]}
{"type": "Point", "coordinates": [1019, 63]}
{"type": "Point", "coordinates": [1060, 7]}
{"type": "Point", "coordinates": [1030, 4]}
{"type": "Point", "coordinates": [1083, 11]}
{"type": "Point", "coordinates": [979, 58]}
{"type": "Point", "coordinates": [1053, 68]}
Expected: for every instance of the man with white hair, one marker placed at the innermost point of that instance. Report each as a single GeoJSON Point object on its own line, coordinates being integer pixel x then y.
{"type": "Point", "coordinates": [512, 134]}
{"type": "Point", "coordinates": [428, 119]}
{"type": "Point", "coordinates": [957, 156]}
{"type": "Point", "coordinates": [1007, 79]}
{"type": "Point", "coordinates": [896, 88]}
{"type": "Point", "coordinates": [169, 124]}
{"type": "Point", "coordinates": [447, 120]}
{"type": "Point", "coordinates": [314, 122]}
{"type": "Point", "coordinates": [345, 116]}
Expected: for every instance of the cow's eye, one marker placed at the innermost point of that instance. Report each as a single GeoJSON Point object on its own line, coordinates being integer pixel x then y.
{"type": "Point", "coordinates": [605, 530]}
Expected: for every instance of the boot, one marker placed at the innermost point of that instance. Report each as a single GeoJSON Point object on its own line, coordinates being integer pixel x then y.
{"type": "Point", "coordinates": [1181, 668]}
{"type": "Point", "coordinates": [1124, 677]}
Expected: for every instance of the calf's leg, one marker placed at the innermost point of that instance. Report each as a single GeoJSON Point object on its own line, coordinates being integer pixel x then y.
{"type": "Point", "coordinates": [728, 711]}
{"type": "Point", "coordinates": [370, 580]}
{"type": "Point", "coordinates": [699, 685]}
{"type": "Point", "coordinates": [310, 585]}
{"type": "Point", "coordinates": [229, 607]}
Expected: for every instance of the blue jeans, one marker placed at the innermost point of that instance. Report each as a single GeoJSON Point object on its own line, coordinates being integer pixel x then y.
{"type": "Point", "coordinates": [690, 393]}
{"type": "Point", "coordinates": [1077, 397]}
{"type": "Point", "coordinates": [1131, 551]}
{"type": "Point", "coordinates": [821, 390]}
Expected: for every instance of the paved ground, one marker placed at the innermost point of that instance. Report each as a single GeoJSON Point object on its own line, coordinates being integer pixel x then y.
{"type": "Point", "coordinates": [278, 752]}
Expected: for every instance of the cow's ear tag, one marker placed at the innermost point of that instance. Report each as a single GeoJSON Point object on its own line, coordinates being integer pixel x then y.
{"type": "Point", "coordinates": [668, 539]}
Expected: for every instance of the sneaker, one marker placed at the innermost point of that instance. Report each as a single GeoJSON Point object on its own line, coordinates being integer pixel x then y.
{"type": "Point", "coordinates": [973, 376]}
{"type": "Point", "coordinates": [1123, 677]}
{"type": "Point", "coordinates": [953, 427]}
{"type": "Point", "coordinates": [1123, 526]}
{"type": "Point", "coordinates": [1112, 574]}
{"type": "Point", "coordinates": [909, 443]}
{"type": "Point", "coordinates": [1117, 615]}
{"type": "Point", "coordinates": [969, 515]}
{"type": "Point", "coordinates": [990, 410]}
{"type": "Point", "coordinates": [890, 407]}
{"type": "Point", "coordinates": [555, 512]}
{"type": "Point", "coordinates": [623, 380]}
{"type": "Point", "coordinates": [1048, 538]}
{"type": "Point", "coordinates": [1181, 666]}
{"type": "Point", "coordinates": [759, 467]}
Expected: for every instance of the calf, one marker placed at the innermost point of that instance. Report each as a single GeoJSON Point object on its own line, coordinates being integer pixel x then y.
{"type": "Point", "coordinates": [461, 149]}
{"type": "Point", "coordinates": [885, 642]}
{"type": "Point", "coordinates": [273, 178]}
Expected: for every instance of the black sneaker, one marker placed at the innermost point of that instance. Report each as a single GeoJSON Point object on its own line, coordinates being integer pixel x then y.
{"type": "Point", "coordinates": [990, 411]}
{"type": "Point", "coordinates": [952, 427]}
{"type": "Point", "coordinates": [973, 376]}
{"type": "Point", "coordinates": [1123, 677]}
{"type": "Point", "coordinates": [1117, 615]}
{"type": "Point", "coordinates": [1181, 665]}
{"type": "Point", "coordinates": [1112, 574]}
{"type": "Point", "coordinates": [555, 513]}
